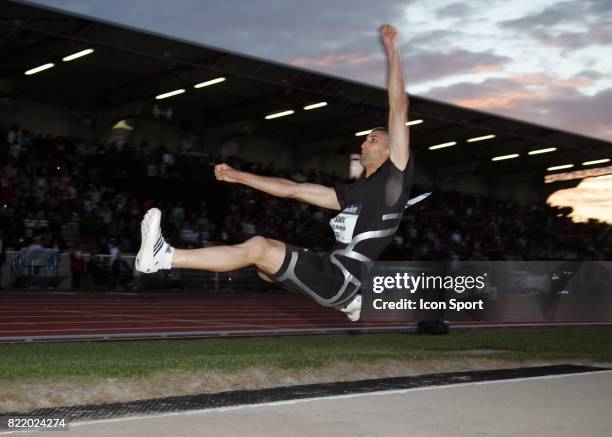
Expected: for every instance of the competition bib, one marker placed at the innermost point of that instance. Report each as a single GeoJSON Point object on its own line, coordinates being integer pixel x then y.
{"type": "Point", "coordinates": [344, 223]}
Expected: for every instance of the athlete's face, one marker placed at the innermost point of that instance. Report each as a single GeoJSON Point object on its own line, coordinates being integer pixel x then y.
{"type": "Point", "coordinates": [375, 148]}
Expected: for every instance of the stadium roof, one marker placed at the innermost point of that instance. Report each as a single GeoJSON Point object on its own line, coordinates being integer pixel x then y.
{"type": "Point", "coordinates": [129, 68]}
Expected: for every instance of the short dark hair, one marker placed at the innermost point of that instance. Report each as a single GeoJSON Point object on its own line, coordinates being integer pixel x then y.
{"type": "Point", "coordinates": [382, 129]}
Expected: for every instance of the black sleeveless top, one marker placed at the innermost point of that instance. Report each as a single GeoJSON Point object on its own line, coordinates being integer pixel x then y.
{"type": "Point", "coordinates": [371, 212]}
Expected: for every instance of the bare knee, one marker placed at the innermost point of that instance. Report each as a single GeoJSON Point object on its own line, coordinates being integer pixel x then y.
{"type": "Point", "coordinates": [265, 253]}
{"type": "Point", "coordinates": [257, 247]}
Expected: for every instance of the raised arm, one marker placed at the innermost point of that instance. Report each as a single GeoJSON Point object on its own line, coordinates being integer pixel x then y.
{"type": "Point", "coordinates": [313, 194]}
{"type": "Point", "coordinates": [398, 100]}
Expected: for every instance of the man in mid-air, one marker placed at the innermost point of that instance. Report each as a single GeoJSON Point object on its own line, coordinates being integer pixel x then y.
{"type": "Point", "coordinates": [371, 210]}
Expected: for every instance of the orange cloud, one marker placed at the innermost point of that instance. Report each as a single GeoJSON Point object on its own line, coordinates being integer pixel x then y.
{"type": "Point", "coordinates": [573, 83]}
{"type": "Point", "coordinates": [329, 59]}
{"type": "Point", "coordinates": [498, 100]}
{"type": "Point", "coordinates": [485, 68]}
{"type": "Point", "coordinates": [553, 84]}
{"type": "Point", "coordinates": [532, 79]}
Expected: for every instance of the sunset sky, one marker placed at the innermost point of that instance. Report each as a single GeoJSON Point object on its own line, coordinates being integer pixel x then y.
{"type": "Point", "coordinates": [546, 61]}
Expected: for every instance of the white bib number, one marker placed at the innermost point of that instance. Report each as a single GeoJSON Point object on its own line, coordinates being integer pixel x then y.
{"type": "Point", "coordinates": [344, 223]}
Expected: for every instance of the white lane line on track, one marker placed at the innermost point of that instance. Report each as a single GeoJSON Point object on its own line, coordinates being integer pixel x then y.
{"type": "Point", "coordinates": [152, 319]}
{"type": "Point", "coordinates": [201, 324]}
{"type": "Point", "coordinates": [203, 319]}
{"type": "Point", "coordinates": [348, 396]}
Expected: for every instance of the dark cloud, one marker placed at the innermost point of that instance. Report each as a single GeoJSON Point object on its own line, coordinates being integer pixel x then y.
{"type": "Point", "coordinates": [566, 108]}
{"type": "Point", "coordinates": [485, 90]}
{"type": "Point", "coordinates": [600, 7]}
{"type": "Point", "coordinates": [597, 34]}
{"type": "Point", "coordinates": [420, 65]}
{"type": "Point", "coordinates": [547, 26]}
{"type": "Point", "coordinates": [454, 10]}
{"type": "Point", "coordinates": [424, 65]}
{"type": "Point", "coordinates": [583, 11]}
{"type": "Point", "coordinates": [435, 37]}
{"type": "Point", "coordinates": [557, 13]}
{"type": "Point", "coordinates": [590, 74]}
{"type": "Point", "coordinates": [578, 112]}
{"type": "Point", "coordinates": [280, 30]}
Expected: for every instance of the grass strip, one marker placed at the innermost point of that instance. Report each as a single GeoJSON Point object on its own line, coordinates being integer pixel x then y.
{"type": "Point", "coordinates": [140, 359]}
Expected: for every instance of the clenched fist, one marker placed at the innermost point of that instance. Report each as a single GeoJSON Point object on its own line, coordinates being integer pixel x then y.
{"type": "Point", "coordinates": [388, 33]}
{"type": "Point", "coordinates": [225, 173]}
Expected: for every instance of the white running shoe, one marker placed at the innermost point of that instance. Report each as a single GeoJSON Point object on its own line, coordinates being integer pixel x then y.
{"type": "Point", "coordinates": [353, 309]}
{"type": "Point", "coordinates": [154, 253]}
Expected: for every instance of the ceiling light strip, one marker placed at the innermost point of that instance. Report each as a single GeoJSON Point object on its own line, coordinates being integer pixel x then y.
{"type": "Point", "coordinates": [170, 94]}
{"type": "Point", "coordinates": [209, 82]}
{"type": "Point", "coordinates": [504, 157]}
{"type": "Point", "coordinates": [443, 145]}
{"type": "Point", "coordinates": [39, 69]}
{"type": "Point", "coordinates": [77, 55]}
{"type": "Point", "coordinates": [484, 137]}
{"type": "Point", "coordinates": [539, 151]}
{"type": "Point", "coordinates": [280, 114]}
{"type": "Point", "coordinates": [560, 167]}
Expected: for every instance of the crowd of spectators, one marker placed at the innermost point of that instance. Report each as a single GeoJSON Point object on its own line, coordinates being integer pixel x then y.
{"type": "Point", "coordinates": [66, 193]}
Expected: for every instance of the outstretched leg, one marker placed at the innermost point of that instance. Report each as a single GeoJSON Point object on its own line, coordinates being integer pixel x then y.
{"type": "Point", "coordinates": [265, 253]}
{"type": "Point", "coordinates": [155, 253]}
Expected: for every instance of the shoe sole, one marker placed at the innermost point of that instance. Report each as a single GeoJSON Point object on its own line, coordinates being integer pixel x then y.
{"type": "Point", "coordinates": [149, 223]}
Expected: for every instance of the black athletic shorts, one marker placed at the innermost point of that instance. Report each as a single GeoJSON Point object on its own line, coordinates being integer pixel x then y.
{"type": "Point", "coordinates": [314, 274]}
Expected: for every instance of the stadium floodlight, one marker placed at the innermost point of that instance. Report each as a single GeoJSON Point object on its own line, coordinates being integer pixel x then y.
{"type": "Point", "coordinates": [413, 122]}
{"type": "Point", "coordinates": [560, 167]}
{"type": "Point", "coordinates": [280, 114]}
{"type": "Point", "coordinates": [77, 55]}
{"type": "Point", "coordinates": [209, 82]}
{"type": "Point", "coordinates": [504, 157]}
{"type": "Point", "coordinates": [443, 145]}
{"type": "Point", "coordinates": [39, 69]}
{"type": "Point", "coordinates": [538, 151]}
{"type": "Point", "coordinates": [315, 106]}
{"type": "Point", "coordinates": [598, 161]}
{"type": "Point", "coordinates": [485, 137]}
{"type": "Point", "coordinates": [170, 94]}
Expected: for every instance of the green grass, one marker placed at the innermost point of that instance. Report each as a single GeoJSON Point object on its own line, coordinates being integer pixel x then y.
{"type": "Point", "coordinates": [139, 359]}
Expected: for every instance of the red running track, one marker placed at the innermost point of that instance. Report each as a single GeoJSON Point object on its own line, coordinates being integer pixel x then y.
{"type": "Point", "coordinates": [61, 316]}
{"type": "Point", "coordinates": [58, 316]}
